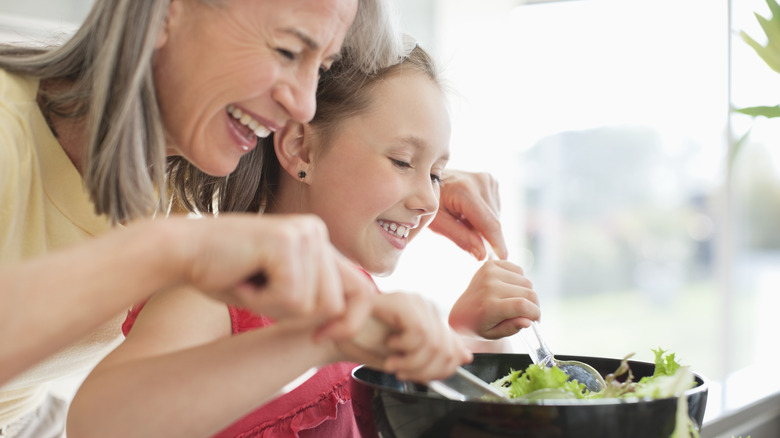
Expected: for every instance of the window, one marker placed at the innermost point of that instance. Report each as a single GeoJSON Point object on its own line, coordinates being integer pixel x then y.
{"type": "Point", "coordinates": [607, 124]}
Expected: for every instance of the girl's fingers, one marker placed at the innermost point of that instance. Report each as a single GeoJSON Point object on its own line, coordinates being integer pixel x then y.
{"type": "Point", "coordinates": [424, 348]}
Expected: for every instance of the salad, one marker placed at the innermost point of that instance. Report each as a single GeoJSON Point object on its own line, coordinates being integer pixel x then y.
{"type": "Point", "coordinates": [670, 379]}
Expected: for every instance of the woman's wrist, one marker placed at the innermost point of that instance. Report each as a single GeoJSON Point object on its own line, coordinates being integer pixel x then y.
{"type": "Point", "coordinates": [167, 250]}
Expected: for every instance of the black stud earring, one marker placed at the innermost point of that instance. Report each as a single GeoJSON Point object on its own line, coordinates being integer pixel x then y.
{"type": "Point", "coordinates": [301, 174]}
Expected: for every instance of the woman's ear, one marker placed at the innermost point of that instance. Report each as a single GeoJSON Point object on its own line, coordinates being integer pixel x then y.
{"type": "Point", "coordinates": [292, 149]}
{"type": "Point", "coordinates": [171, 18]}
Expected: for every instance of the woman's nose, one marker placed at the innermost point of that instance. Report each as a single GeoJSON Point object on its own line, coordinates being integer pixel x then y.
{"type": "Point", "coordinates": [299, 97]}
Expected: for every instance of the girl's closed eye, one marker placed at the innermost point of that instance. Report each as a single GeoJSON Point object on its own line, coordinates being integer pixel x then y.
{"type": "Point", "coordinates": [401, 164]}
{"type": "Point", "coordinates": [436, 179]}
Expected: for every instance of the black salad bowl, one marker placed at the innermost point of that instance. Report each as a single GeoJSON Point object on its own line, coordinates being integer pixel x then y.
{"type": "Point", "coordinates": [390, 408]}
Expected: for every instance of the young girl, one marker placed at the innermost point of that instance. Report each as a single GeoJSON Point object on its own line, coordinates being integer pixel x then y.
{"type": "Point", "coordinates": [369, 165]}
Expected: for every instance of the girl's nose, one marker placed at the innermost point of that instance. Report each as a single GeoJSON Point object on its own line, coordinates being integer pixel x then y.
{"type": "Point", "coordinates": [425, 196]}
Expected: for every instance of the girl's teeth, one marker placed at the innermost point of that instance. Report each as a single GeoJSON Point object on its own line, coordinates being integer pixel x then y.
{"type": "Point", "coordinates": [258, 128]}
{"type": "Point", "coordinates": [395, 229]}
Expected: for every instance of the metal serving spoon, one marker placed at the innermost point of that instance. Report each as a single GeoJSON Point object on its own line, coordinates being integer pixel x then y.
{"type": "Point", "coordinates": [541, 355]}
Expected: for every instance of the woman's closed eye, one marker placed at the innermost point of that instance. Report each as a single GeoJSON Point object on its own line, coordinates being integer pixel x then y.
{"type": "Point", "coordinates": [293, 56]}
{"type": "Point", "coordinates": [288, 54]}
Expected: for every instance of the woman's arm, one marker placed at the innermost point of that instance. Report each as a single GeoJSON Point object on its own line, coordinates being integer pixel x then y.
{"type": "Point", "coordinates": [53, 300]}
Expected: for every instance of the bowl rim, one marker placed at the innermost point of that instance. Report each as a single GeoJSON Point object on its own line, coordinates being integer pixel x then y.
{"type": "Point", "coordinates": [703, 387]}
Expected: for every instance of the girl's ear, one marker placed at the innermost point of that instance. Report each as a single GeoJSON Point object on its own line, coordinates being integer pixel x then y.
{"type": "Point", "coordinates": [293, 150]}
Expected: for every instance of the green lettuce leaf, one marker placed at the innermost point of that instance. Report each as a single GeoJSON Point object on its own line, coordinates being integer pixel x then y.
{"type": "Point", "coordinates": [669, 379]}
{"type": "Point", "coordinates": [536, 383]}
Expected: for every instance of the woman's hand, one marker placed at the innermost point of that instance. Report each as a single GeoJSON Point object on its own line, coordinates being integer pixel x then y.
{"type": "Point", "coordinates": [469, 211]}
{"type": "Point", "coordinates": [407, 337]}
{"type": "Point", "coordinates": [300, 273]}
{"type": "Point", "coordinates": [499, 302]}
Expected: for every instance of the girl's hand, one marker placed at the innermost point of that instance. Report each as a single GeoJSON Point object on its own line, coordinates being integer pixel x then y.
{"type": "Point", "coordinates": [407, 337]}
{"type": "Point", "coordinates": [498, 302]}
{"type": "Point", "coordinates": [469, 210]}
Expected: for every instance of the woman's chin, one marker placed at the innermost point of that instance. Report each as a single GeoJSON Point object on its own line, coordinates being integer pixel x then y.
{"type": "Point", "coordinates": [218, 169]}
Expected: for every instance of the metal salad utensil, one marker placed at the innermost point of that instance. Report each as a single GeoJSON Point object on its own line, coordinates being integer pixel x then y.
{"type": "Point", "coordinates": [541, 354]}
{"type": "Point", "coordinates": [462, 385]}
{"type": "Point", "coordinates": [465, 386]}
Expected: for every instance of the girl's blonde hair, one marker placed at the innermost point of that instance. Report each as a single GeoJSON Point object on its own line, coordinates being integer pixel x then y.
{"type": "Point", "coordinates": [343, 92]}
{"type": "Point", "coordinates": [108, 62]}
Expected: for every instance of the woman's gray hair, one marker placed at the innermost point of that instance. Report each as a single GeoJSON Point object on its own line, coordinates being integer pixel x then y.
{"type": "Point", "coordinates": [374, 38]}
{"type": "Point", "coordinates": [373, 42]}
{"type": "Point", "coordinates": [108, 63]}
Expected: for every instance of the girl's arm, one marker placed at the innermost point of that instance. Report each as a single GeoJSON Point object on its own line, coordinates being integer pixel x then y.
{"type": "Point", "coordinates": [180, 373]}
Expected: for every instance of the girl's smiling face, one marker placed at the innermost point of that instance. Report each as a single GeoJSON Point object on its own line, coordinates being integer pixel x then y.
{"type": "Point", "coordinates": [376, 183]}
{"type": "Point", "coordinates": [241, 59]}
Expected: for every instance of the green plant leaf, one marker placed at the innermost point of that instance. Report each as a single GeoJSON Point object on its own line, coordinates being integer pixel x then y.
{"type": "Point", "coordinates": [772, 31]}
{"type": "Point", "coordinates": [770, 57]}
{"type": "Point", "coordinates": [774, 7]}
{"type": "Point", "coordinates": [755, 111]}
{"type": "Point", "coordinates": [771, 27]}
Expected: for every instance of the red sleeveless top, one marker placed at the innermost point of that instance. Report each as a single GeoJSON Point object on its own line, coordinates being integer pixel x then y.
{"type": "Point", "coordinates": [319, 407]}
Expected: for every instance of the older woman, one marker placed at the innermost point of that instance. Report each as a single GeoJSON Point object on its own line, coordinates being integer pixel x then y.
{"type": "Point", "coordinates": [85, 131]}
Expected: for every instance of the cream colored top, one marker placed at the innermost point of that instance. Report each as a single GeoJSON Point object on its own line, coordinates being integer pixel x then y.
{"type": "Point", "coordinates": [43, 206]}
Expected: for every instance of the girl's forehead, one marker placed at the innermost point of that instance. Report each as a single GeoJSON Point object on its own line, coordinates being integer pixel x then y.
{"type": "Point", "coordinates": [406, 109]}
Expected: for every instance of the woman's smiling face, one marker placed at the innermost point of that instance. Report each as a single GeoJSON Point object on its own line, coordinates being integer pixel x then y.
{"type": "Point", "coordinates": [230, 71]}
{"type": "Point", "coordinates": [376, 182]}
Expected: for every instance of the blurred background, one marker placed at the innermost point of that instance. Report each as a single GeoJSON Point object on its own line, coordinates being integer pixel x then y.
{"type": "Point", "coordinates": [644, 211]}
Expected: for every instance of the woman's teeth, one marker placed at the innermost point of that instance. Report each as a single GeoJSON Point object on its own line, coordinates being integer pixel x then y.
{"type": "Point", "coordinates": [245, 119]}
{"type": "Point", "coordinates": [395, 229]}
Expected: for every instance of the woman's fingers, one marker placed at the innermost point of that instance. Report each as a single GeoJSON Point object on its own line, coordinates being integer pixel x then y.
{"type": "Point", "coordinates": [469, 211]}
{"type": "Point", "coordinates": [358, 291]}
{"type": "Point", "coordinates": [296, 270]}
